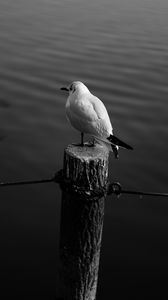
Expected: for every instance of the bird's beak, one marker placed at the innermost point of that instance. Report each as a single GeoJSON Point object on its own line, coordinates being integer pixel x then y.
{"type": "Point", "coordinates": [64, 89]}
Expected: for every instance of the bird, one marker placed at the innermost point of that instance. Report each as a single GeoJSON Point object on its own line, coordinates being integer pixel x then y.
{"type": "Point", "coordinates": [88, 114]}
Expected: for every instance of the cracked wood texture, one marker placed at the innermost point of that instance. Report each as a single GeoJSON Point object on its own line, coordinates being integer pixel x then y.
{"type": "Point", "coordinates": [82, 221]}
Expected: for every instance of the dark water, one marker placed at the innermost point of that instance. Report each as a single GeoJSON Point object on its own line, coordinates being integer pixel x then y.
{"type": "Point", "coordinates": [119, 49]}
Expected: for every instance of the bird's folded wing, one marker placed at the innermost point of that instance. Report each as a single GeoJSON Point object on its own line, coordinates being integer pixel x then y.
{"type": "Point", "coordinates": [90, 109]}
{"type": "Point", "coordinates": [102, 115]}
{"type": "Point", "coordinates": [99, 108]}
{"type": "Point", "coordinates": [84, 110]}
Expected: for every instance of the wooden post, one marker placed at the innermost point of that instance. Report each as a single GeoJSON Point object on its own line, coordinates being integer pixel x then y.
{"type": "Point", "coordinates": [82, 214]}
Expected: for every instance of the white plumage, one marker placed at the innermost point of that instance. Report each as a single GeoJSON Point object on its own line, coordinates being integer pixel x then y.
{"type": "Point", "coordinates": [88, 114]}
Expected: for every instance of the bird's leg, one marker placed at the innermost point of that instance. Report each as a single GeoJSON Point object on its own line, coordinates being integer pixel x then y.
{"type": "Point", "coordinates": [115, 151]}
{"type": "Point", "coordinates": [93, 142]}
{"type": "Point", "coordinates": [82, 136]}
{"type": "Point", "coordinates": [81, 143]}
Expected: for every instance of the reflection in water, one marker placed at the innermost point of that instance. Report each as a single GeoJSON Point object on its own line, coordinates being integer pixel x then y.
{"type": "Point", "coordinates": [119, 49]}
{"type": "Point", "coordinates": [2, 137]}
{"type": "Point", "coordinates": [4, 104]}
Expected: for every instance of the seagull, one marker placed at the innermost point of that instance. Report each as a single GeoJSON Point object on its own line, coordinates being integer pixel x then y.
{"type": "Point", "coordinates": [88, 114]}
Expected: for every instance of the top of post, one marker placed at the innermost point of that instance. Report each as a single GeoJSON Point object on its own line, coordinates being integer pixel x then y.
{"type": "Point", "coordinates": [86, 167]}
{"type": "Point", "coordinates": [88, 153]}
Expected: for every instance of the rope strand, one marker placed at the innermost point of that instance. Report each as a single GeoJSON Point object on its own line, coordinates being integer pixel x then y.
{"type": "Point", "coordinates": [144, 193]}
{"type": "Point", "coordinates": [3, 184]}
{"type": "Point", "coordinates": [115, 188]}
{"type": "Point", "coordinates": [112, 188]}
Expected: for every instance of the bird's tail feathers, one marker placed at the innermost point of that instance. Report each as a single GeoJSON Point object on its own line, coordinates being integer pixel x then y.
{"type": "Point", "coordinates": [116, 141]}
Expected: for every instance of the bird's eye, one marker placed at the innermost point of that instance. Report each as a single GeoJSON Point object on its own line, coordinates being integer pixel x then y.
{"type": "Point", "coordinates": [72, 88]}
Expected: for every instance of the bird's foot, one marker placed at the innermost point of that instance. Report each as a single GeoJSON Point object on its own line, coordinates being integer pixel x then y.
{"type": "Point", "coordinates": [87, 144]}
{"type": "Point", "coordinates": [91, 143]}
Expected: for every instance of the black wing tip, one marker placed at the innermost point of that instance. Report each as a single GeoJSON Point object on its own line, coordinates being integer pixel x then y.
{"type": "Point", "coordinates": [130, 147]}
{"type": "Point", "coordinates": [116, 141]}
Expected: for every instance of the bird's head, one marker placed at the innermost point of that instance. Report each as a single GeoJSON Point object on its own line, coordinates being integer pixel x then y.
{"type": "Point", "coordinates": [75, 87]}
